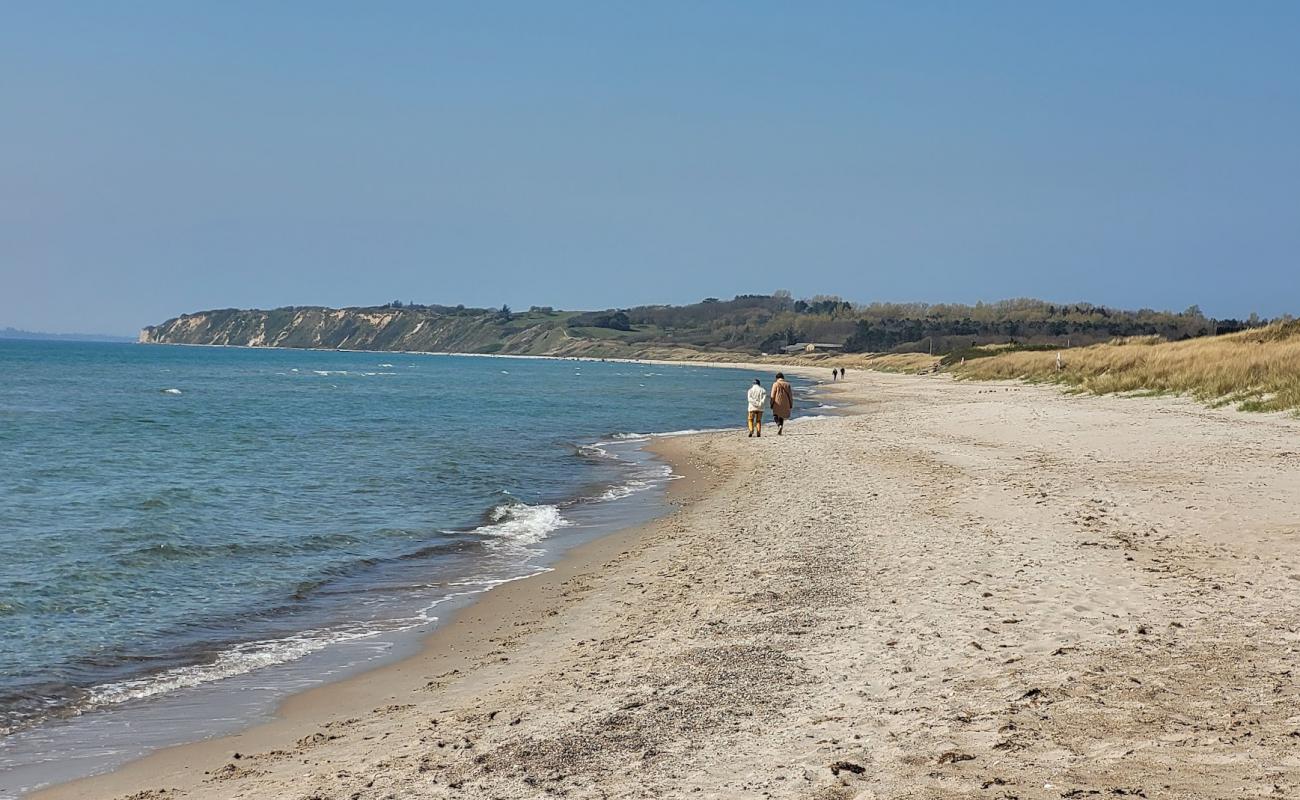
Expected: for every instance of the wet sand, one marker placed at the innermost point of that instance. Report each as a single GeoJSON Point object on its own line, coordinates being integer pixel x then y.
{"type": "Point", "coordinates": [962, 590]}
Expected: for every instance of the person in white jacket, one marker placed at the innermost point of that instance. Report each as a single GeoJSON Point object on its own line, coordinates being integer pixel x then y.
{"type": "Point", "coordinates": [757, 396]}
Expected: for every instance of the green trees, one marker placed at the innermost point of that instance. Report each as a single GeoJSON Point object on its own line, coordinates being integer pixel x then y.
{"type": "Point", "coordinates": [761, 323]}
{"type": "Point", "coordinates": [614, 320]}
{"type": "Point", "coordinates": [746, 323]}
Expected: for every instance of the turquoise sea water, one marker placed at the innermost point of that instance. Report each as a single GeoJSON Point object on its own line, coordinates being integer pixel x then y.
{"type": "Point", "coordinates": [172, 517]}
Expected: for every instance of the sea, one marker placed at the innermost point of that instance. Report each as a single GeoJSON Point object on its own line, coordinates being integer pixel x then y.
{"type": "Point", "coordinates": [189, 534]}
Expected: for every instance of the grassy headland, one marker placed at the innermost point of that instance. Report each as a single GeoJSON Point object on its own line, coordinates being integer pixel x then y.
{"type": "Point", "coordinates": [745, 326]}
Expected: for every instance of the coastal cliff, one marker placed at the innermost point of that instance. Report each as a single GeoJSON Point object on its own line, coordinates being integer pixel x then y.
{"type": "Point", "coordinates": [411, 328]}
{"type": "Point", "coordinates": [746, 325]}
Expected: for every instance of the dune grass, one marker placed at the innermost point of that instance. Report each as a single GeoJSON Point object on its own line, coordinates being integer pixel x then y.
{"type": "Point", "coordinates": [1255, 370]}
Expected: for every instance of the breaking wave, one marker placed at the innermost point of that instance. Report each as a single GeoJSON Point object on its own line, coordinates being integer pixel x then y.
{"type": "Point", "coordinates": [521, 523]}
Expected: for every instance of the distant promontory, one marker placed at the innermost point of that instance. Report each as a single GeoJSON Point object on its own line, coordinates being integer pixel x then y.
{"type": "Point", "coordinates": [744, 325]}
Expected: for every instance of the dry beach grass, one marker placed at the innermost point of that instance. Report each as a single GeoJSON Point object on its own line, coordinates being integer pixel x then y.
{"type": "Point", "coordinates": [1257, 370]}
{"type": "Point", "coordinates": [966, 590]}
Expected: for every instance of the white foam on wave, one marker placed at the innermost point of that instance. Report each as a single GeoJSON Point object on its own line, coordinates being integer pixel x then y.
{"type": "Point", "coordinates": [689, 432]}
{"type": "Point", "coordinates": [664, 434]}
{"type": "Point", "coordinates": [597, 450]}
{"type": "Point", "coordinates": [523, 524]}
{"type": "Point", "coordinates": [385, 366]}
{"type": "Point", "coordinates": [647, 480]}
{"type": "Point", "coordinates": [484, 584]}
{"type": "Point", "coordinates": [330, 371]}
{"type": "Point", "coordinates": [241, 659]}
{"type": "Point", "coordinates": [171, 391]}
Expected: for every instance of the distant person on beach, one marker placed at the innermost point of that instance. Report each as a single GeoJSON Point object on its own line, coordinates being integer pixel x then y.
{"type": "Point", "coordinates": [782, 402]}
{"type": "Point", "coordinates": [756, 397]}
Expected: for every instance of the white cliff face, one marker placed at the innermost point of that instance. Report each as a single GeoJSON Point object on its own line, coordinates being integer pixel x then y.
{"type": "Point", "coordinates": [362, 329]}
{"type": "Point", "coordinates": [419, 330]}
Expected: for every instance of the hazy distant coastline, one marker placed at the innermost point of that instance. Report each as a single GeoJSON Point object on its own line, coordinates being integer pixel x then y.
{"type": "Point", "coordinates": [15, 333]}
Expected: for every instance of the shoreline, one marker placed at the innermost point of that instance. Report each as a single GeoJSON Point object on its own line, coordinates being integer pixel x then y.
{"type": "Point", "coordinates": [346, 658]}
{"type": "Point", "coordinates": [960, 591]}
{"type": "Point", "coordinates": [288, 706]}
{"type": "Point", "coordinates": [707, 359]}
{"type": "Point", "coordinates": [468, 636]}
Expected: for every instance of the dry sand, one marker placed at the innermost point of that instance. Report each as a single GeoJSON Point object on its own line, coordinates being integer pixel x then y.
{"type": "Point", "coordinates": [963, 591]}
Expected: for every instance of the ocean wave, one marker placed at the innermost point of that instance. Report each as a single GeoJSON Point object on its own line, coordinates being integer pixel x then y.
{"type": "Point", "coordinates": [647, 480]}
{"type": "Point", "coordinates": [246, 657]}
{"type": "Point", "coordinates": [664, 434]}
{"type": "Point", "coordinates": [164, 498]}
{"type": "Point", "coordinates": [622, 490]}
{"type": "Point", "coordinates": [235, 660]}
{"type": "Point", "coordinates": [238, 660]}
{"type": "Point", "coordinates": [596, 450]}
{"type": "Point", "coordinates": [171, 391]}
{"type": "Point", "coordinates": [521, 523]}
{"type": "Point", "coordinates": [182, 550]}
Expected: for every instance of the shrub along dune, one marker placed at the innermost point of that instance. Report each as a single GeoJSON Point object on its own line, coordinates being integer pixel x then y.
{"type": "Point", "coordinates": [1257, 370]}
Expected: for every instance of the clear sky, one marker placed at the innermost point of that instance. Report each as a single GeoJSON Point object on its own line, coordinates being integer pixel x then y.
{"type": "Point", "coordinates": [162, 157]}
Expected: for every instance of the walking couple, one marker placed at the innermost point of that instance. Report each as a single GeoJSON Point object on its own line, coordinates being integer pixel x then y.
{"type": "Point", "coordinates": [781, 400]}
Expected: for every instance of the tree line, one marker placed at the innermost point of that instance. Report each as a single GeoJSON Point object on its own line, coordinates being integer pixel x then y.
{"type": "Point", "coordinates": [763, 323]}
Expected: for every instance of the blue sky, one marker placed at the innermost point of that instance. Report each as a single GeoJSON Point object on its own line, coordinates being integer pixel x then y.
{"type": "Point", "coordinates": [166, 157]}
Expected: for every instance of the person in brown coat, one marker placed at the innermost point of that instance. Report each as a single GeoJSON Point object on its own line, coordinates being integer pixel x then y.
{"type": "Point", "coordinates": [782, 401]}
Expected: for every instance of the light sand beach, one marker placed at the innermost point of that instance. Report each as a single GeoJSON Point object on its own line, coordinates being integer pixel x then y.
{"type": "Point", "coordinates": [961, 590]}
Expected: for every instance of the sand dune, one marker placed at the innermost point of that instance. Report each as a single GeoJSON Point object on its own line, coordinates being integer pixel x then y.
{"type": "Point", "coordinates": [962, 590]}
